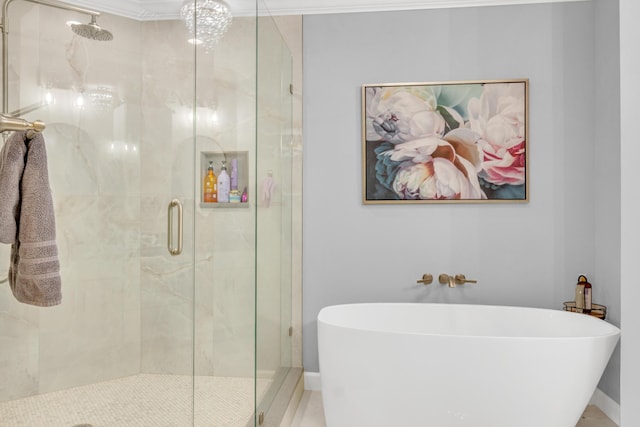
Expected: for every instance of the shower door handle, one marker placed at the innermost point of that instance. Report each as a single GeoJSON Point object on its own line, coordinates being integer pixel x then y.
{"type": "Point", "coordinates": [175, 203]}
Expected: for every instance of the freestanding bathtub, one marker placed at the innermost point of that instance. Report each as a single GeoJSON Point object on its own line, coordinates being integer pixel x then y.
{"type": "Point", "coordinates": [442, 365]}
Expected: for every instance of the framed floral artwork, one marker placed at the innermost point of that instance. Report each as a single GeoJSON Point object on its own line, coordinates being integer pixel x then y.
{"type": "Point", "coordinates": [445, 142]}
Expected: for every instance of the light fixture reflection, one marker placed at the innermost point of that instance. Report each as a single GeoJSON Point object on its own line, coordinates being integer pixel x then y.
{"type": "Point", "coordinates": [101, 97]}
{"type": "Point", "coordinates": [207, 20]}
{"type": "Point", "coordinates": [80, 101]}
{"type": "Point", "coordinates": [120, 148]}
{"type": "Point", "coordinates": [48, 98]}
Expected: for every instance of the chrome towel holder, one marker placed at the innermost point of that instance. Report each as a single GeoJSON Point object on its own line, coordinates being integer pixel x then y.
{"type": "Point", "coordinates": [8, 123]}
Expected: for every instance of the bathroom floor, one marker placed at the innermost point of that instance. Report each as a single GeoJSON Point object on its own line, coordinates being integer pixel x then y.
{"type": "Point", "coordinates": [310, 414]}
{"type": "Point", "coordinates": [140, 401]}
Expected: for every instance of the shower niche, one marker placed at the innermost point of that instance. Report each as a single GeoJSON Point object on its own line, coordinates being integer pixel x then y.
{"type": "Point", "coordinates": [242, 160]}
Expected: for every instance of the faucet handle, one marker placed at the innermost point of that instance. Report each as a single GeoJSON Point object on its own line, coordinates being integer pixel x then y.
{"type": "Point", "coordinates": [461, 279]}
{"type": "Point", "coordinates": [445, 279]}
{"type": "Point", "coordinates": [427, 279]}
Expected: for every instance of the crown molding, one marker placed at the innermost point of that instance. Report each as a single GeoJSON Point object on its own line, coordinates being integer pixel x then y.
{"type": "Point", "coordinates": [151, 10]}
{"type": "Point", "coordinates": [136, 9]}
{"type": "Point", "coordinates": [311, 7]}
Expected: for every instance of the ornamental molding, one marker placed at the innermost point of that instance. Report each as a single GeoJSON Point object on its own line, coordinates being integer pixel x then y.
{"type": "Point", "coordinates": [151, 10]}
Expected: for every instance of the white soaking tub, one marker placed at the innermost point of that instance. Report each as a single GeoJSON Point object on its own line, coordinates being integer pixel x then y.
{"type": "Point", "coordinates": [445, 365]}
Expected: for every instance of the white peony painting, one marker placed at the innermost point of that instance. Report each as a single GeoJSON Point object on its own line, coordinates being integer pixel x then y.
{"type": "Point", "coordinates": [445, 142]}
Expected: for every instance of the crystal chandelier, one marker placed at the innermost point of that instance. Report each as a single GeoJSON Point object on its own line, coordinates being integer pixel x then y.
{"type": "Point", "coordinates": [207, 20]}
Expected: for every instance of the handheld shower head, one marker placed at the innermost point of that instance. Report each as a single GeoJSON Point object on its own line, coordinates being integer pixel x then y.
{"type": "Point", "coordinates": [92, 31]}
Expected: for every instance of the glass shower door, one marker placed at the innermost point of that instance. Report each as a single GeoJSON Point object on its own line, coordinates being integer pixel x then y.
{"type": "Point", "coordinates": [150, 331]}
{"type": "Point", "coordinates": [275, 380]}
{"type": "Point", "coordinates": [167, 217]}
{"type": "Point", "coordinates": [225, 252]}
{"type": "Point", "coordinates": [121, 146]}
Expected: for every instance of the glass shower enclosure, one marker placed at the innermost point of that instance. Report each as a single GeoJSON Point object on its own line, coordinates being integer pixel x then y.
{"type": "Point", "coordinates": [175, 311]}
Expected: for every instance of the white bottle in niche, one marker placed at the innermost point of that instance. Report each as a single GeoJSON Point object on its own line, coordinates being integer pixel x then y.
{"type": "Point", "coordinates": [224, 184]}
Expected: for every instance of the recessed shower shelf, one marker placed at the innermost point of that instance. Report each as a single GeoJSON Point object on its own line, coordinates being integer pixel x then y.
{"type": "Point", "coordinates": [224, 205]}
{"type": "Point", "coordinates": [217, 157]}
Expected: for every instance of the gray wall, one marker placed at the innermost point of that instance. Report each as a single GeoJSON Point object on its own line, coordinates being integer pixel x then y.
{"type": "Point", "coordinates": [630, 211]}
{"type": "Point", "coordinates": [522, 254]}
{"type": "Point", "coordinates": [607, 194]}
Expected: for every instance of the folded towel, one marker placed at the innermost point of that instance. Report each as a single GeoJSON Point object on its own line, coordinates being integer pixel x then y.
{"type": "Point", "coordinates": [34, 274]}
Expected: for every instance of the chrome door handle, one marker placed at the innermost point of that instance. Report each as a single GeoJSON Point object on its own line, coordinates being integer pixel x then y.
{"type": "Point", "coordinates": [174, 250]}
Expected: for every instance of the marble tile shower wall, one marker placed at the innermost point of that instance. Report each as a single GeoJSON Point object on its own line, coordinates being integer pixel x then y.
{"type": "Point", "coordinates": [226, 261]}
{"type": "Point", "coordinates": [224, 241]}
{"type": "Point", "coordinates": [128, 305]}
{"type": "Point", "coordinates": [166, 156]}
{"type": "Point", "coordinates": [94, 170]}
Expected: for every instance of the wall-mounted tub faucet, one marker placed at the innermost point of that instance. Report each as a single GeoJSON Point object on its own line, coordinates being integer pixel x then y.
{"type": "Point", "coordinates": [453, 281]}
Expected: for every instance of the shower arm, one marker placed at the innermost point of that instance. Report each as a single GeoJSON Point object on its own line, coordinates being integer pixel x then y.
{"type": "Point", "coordinates": [5, 41]}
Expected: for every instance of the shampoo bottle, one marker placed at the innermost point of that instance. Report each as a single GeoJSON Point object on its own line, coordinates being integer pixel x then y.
{"type": "Point", "coordinates": [224, 185]}
{"type": "Point", "coordinates": [234, 193]}
{"type": "Point", "coordinates": [234, 174]}
{"type": "Point", "coordinates": [210, 186]}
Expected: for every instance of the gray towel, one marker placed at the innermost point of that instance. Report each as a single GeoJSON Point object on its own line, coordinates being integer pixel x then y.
{"type": "Point", "coordinates": [27, 221]}
{"type": "Point", "coordinates": [12, 159]}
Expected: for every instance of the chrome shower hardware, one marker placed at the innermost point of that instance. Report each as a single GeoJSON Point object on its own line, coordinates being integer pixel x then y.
{"type": "Point", "coordinates": [13, 123]}
{"type": "Point", "coordinates": [173, 249]}
{"type": "Point", "coordinates": [91, 30]}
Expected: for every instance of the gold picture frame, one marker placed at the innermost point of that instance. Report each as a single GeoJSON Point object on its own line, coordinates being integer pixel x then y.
{"type": "Point", "coordinates": [445, 142]}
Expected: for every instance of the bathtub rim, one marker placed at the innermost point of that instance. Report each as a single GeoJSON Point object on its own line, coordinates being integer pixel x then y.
{"type": "Point", "coordinates": [613, 330]}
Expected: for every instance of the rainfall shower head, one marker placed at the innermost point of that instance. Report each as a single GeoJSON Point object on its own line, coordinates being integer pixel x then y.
{"type": "Point", "coordinates": [92, 31]}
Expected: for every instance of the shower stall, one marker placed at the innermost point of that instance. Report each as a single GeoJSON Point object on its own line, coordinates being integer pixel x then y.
{"type": "Point", "coordinates": [175, 312]}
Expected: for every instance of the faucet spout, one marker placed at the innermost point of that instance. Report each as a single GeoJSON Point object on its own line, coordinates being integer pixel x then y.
{"type": "Point", "coordinates": [445, 279]}
{"type": "Point", "coordinates": [453, 281]}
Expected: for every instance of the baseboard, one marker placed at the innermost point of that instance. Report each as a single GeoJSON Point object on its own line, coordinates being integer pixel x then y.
{"type": "Point", "coordinates": [312, 381]}
{"type": "Point", "coordinates": [610, 407]}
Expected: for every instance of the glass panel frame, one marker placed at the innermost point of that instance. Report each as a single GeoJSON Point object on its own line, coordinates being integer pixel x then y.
{"type": "Point", "coordinates": [274, 217]}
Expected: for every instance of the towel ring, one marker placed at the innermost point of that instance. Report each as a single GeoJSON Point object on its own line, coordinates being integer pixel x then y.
{"type": "Point", "coordinates": [5, 280]}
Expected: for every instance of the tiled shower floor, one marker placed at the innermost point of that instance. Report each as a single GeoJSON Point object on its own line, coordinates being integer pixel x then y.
{"type": "Point", "coordinates": [140, 401]}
